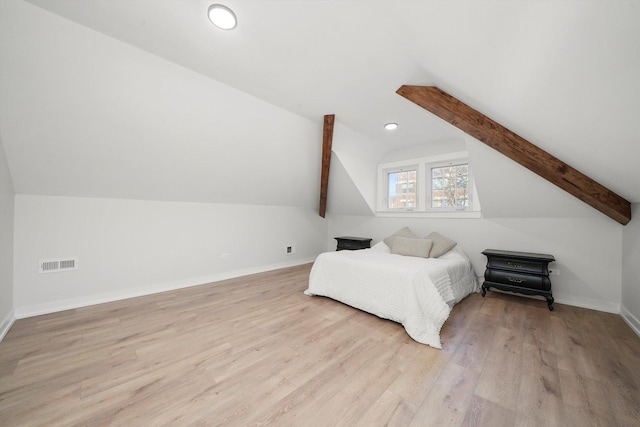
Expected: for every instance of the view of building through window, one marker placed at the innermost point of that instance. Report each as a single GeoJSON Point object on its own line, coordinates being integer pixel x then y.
{"type": "Point", "coordinates": [402, 189]}
{"type": "Point", "coordinates": [450, 187]}
{"type": "Point", "coordinates": [439, 185]}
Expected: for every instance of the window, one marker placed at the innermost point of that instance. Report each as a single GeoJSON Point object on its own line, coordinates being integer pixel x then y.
{"type": "Point", "coordinates": [450, 186]}
{"type": "Point", "coordinates": [439, 185]}
{"type": "Point", "coordinates": [401, 189]}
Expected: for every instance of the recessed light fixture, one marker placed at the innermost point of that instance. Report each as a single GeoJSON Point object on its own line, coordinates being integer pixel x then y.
{"type": "Point", "coordinates": [391, 126]}
{"type": "Point", "coordinates": [222, 17]}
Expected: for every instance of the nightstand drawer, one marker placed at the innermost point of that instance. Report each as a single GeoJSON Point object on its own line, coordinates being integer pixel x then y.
{"type": "Point", "coordinates": [524, 266]}
{"type": "Point", "coordinates": [521, 280]}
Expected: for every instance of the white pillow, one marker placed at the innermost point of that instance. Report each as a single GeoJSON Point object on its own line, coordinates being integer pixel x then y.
{"type": "Point", "coordinates": [411, 247]}
{"type": "Point", "coordinates": [441, 244]}
{"type": "Point", "coordinates": [403, 232]}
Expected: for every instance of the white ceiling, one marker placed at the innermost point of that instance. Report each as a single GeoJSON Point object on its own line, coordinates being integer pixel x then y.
{"type": "Point", "coordinates": [310, 57]}
{"type": "Point", "coordinates": [562, 74]}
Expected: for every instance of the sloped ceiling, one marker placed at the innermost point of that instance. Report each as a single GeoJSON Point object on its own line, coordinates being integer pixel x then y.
{"type": "Point", "coordinates": [519, 150]}
{"type": "Point", "coordinates": [508, 190]}
{"type": "Point", "coordinates": [86, 115]}
{"type": "Point", "coordinates": [344, 196]}
{"type": "Point", "coordinates": [164, 99]}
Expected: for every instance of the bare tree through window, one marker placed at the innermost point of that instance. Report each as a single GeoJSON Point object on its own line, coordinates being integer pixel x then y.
{"type": "Point", "coordinates": [450, 186]}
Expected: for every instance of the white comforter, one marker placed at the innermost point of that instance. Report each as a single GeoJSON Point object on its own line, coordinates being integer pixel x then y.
{"type": "Point", "coordinates": [417, 292]}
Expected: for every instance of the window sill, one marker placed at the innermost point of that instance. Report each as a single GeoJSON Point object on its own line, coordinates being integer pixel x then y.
{"type": "Point", "coordinates": [423, 214]}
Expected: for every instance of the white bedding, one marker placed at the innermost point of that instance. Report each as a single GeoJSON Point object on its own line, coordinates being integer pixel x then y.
{"type": "Point", "coordinates": [416, 292]}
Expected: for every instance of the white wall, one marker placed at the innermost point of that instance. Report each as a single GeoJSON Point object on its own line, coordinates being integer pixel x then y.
{"type": "Point", "coordinates": [588, 251]}
{"type": "Point", "coordinates": [631, 270]}
{"type": "Point", "coordinates": [6, 246]}
{"type": "Point", "coordinates": [128, 248]}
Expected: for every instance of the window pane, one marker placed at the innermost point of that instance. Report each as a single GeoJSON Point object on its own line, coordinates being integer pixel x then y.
{"type": "Point", "coordinates": [449, 187]}
{"type": "Point", "coordinates": [401, 191]}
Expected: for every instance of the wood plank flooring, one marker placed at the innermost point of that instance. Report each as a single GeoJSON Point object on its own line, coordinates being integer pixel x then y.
{"type": "Point", "coordinates": [257, 351]}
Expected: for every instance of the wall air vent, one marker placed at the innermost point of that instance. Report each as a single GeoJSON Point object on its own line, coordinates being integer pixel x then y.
{"type": "Point", "coordinates": [57, 265]}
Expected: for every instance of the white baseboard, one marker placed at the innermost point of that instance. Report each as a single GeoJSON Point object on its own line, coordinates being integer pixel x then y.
{"type": "Point", "coordinates": [607, 307]}
{"type": "Point", "coordinates": [6, 324]}
{"type": "Point", "coordinates": [88, 300]}
{"type": "Point", "coordinates": [631, 320]}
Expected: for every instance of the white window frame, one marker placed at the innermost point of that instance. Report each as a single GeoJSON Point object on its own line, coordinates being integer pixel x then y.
{"type": "Point", "coordinates": [423, 167]}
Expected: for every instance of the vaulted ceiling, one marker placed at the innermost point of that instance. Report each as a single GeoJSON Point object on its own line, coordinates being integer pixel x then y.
{"type": "Point", "coordinates": [149, 97]}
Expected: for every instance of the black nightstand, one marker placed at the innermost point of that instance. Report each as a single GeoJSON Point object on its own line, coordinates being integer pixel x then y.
{"type": "Point", "coordinates": [521, 272]}
{"type": "Point", "coordinates": [352, 243]}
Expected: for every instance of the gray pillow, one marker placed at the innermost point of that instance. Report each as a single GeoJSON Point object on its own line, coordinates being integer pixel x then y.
{"type": "Point", "coordinates": [411, 247]}
{"type": "Point", "coordinates": [403, 232]}
{"type": "Point", "coordinates": [441, 244]}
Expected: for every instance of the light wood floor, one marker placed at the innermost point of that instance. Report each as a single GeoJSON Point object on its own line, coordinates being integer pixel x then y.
{"type": "Point", "coordinates": [256, 351]}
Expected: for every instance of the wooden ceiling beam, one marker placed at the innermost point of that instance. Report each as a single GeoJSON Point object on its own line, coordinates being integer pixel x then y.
{"type": "Point", "coordinates": [327, 140]}
{"type": "Point", "coordinates": [519, 149]}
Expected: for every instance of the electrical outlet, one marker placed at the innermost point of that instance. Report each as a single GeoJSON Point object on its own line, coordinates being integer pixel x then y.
{"type": "Point", "coordinates": [554, 271]}
{"type": "Point", "coordinates": [290, 249]}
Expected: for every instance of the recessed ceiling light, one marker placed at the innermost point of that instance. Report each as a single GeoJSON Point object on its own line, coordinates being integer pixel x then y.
{"type": "Point", "coordinates": [391, 126]}
{"type": "Point", "coordinates": [222, 17]}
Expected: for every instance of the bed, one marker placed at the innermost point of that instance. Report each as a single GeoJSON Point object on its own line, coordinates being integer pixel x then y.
{"type": "Point", "coordinates": [417, 292]}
